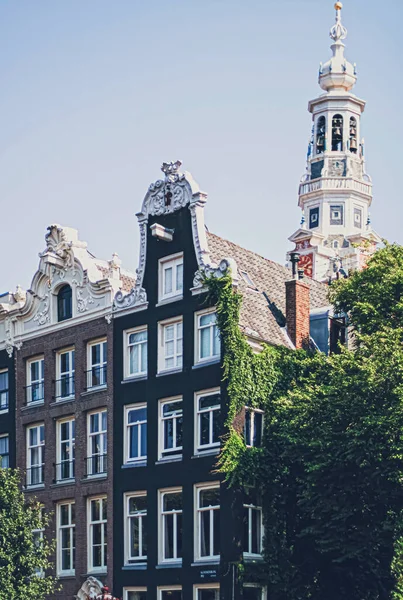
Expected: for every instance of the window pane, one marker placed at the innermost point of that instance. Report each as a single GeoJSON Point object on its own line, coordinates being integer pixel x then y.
{"type": "Point", "coordinates": [143, 365]}
{"type": "Point", "coordinates": [144, 439]}
{"type": "Point", "coordinates": [205, 349]}
{"type": "Point", "coordinates": [210, 497]}
{"type": "Point", "coordinates": [136, 595]}
{"type": "Point", "coordinates": [172, 501]}
{"type": "Point", "coordinates": [252, 593]}
{"type": "Point", "coordinates": [209, 401]}
{"type": "Point", "coordinates": [207, 319]}
{"type": "Point", "coordinates": [96, 354]}
{"type": "Point", "coordinates": [168, 434]}
{"type": "Point", "coordinates": [216, 528]}
{"type": "Point", "coordinates": [171, 595]}
{"type": "Point", "coordinates": [247, 427]}
{"type": "Point", "coordinates": [4, 381]}
{"type": "Point", "coordinates": [137, 414]}
{"type": "Point", "coordinates": [137, 503]}
{"type": "Point", "coordinates": [134, 442]}
{"type": "Point", "coordinates": [204, 431]}
{"type": "Point", "coordinates": [208, 594]}
{"type": "Point", "coordinates": [168, 536]}
{"type": "Point", "coordinates": [257, 440]}
{"type": "Point", "coordinates": [168, 280]}
{"type": "Point", "coordinates": [205, 533]}
{"type": "Point", "coordinates": [179, 277]}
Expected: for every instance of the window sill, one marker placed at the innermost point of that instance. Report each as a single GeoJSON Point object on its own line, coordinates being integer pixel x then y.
{"type": "Point", "coordinates": [170, 459]}
{"type": "Point", "coordinates": [96, 477]}
{"type": "Point", "coordinates": [210, 452]}
{"type": "Point", "coordinates": [63, 401]}
{"type": "Point", "coordinates": [33, 404]}
{"type": "Point", "coordinates": [35, 486]}
{"type": "Point", "coordinates": [139, 567]}
{"type": "Point", "coordinates": [169, 372]}
{"type": "Point", "coordinates": [164, 301]}
{"type": "Point", "coordinates": [96, 388]}
{"type": "Point", "coordinates": [4, 411]}
{"type": "Point", "coordinates": [69, 575]}
{"type": "Point", "coordinates": [133, 465]}
{"type": "Point", "coordinates": [205, 562]}
{"type": "Point", "coordinates": [63, 483]}
{"type": "Point", "coordinates": [253, 557]}
{"type": "Point", "coordinates": [169, 565]}
{"type": "Point", "coordinates": [207, 363]}
{"type": "Point", "coordinates": [102, 571]}
{"type": "Point", "coordinates": [132, 378]}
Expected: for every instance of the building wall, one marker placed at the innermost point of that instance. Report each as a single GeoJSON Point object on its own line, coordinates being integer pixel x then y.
{"type": "Point", "coordinates": [7, 417]}
{"type": "Point", "coordinates": [191, 469]}
{"type": "Point", "coordinates": [48, 413]}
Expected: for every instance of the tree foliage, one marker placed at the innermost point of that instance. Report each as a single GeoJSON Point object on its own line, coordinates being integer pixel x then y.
{"type": "Point", "coordinates": [330, 471]}
{"type": "Point", "coordinates": [21, 556]}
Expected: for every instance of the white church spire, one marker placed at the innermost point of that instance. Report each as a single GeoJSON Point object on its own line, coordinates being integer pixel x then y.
{"type": "Point", "coordinates": [335, 193]}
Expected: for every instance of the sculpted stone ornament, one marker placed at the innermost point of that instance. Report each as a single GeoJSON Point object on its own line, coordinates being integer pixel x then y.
{"type": "Point", "coordinates": [90, 589]}
{"type": "Point", "coordinates": [227, 264]}
{"type": "Point", "coordinates": [58, 244]}
{"type": "Point", "coordinates": [42, 317]}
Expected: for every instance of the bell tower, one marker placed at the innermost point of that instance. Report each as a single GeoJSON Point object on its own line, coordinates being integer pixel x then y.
{"type": "Point", "coordinates": [335, 192]}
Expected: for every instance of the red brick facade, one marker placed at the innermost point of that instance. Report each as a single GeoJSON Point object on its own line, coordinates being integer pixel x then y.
{"type": "Point", "coordinates": [49, 412]}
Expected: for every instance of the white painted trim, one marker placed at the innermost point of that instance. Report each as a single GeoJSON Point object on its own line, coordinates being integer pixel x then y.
{"type": "Point", "coordinates": [90, 523]}
{"type": "Point", "coordinates": [197, 338]}
{"type": "Point", "coordinates": [161, 346]}
{"type": "Point", "coordinates": [171, 261]}
{"type": "Point", "coordinates": [126, 459]}
{"type": "Point", "coordinates": [70, 526]}
{"type": "Point", "coordinates": [200, 450]}
{"type": "Point", "coordinates": [126, 529]}
{"type": "Point", "coordinates": [126, 353]}
{"type": "Point", "coordinates": [196, 533]}
{"type": "Point", "coordinates": [161, 529]}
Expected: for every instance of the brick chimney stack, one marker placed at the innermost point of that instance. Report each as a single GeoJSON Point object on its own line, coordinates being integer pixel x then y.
{"type": "Point", "coordinates": [297, 306]}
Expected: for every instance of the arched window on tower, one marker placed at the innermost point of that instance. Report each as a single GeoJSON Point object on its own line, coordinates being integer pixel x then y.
{"type": "Point", "coordinates": [64, 303]}
{"type": "Point", "coordinates": [337, 133]}
{"type": "Point", "coordinates": [353, 135]}
{"type": "Point", "coordinates": [321, 135]}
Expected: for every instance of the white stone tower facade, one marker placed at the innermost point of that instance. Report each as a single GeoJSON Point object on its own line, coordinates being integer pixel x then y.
{"type": "Point", "coordinates": [335, 193]}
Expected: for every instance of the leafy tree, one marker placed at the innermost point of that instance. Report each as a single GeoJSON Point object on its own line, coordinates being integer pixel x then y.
{"type": "Point", "coordinates": [330, 471]}
{"type": "Point", "coordinates": [21, 556]}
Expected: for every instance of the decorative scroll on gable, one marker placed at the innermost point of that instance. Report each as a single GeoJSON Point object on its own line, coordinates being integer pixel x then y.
{"type": "Point", "coordinates": [176, 191]}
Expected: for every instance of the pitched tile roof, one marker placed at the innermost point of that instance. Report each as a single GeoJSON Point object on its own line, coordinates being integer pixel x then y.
{"type": "Point", "coordinates": [263, 306]}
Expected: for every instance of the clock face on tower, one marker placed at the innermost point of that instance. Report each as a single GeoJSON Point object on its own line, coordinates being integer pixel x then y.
{"type": "Point", "coordinates": [306, 263]}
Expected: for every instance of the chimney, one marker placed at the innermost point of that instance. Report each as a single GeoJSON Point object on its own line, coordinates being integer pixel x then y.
{"type": "Point", "coordinates": [297, 306]}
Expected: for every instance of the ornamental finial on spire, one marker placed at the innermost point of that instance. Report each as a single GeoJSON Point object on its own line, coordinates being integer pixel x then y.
{"type": "Point", "coordinates": [338, 31]}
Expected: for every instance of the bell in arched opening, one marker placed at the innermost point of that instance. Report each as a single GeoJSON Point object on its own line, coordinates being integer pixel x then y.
{"type": "Point", "coordinates": [337, 133]}
{"type": "Point", "coordinates": [353, 135]}
{"type": "Point", "coordinates": [321, 135]}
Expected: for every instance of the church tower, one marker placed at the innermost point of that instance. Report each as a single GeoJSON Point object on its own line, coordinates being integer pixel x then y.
{"type": "Point", "coordinates": [335, 193]}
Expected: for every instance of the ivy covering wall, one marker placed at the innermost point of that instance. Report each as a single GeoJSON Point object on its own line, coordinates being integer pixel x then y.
{"type": "Point", "coordinates": [330, 469]}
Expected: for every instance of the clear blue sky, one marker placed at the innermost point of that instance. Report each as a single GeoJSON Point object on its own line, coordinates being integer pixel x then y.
{"type": "Point", "coordinates": [95, 94]}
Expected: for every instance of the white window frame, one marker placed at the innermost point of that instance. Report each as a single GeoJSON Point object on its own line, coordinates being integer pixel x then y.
{"type": "Point", "coordinates": [176, 451]}
{"type": "Point", "coordinates": [253, 412]}
{"type": "Point", "coordinates": [169, 588]}
{"type": "Point", "coordinates": [126, 591]}
{"type": "Point", "coordinates": [141, 458]}
{"type": "Point", "coordinates": [142, 558]}
{"type": "Point", "coordinates": [39, 383]}
{"type": "Point", "coordinates": [41, 452]}
{"type": "Point", "coordinates": [259, 587]}
{"type": "Point", "coordinates": [71, 444]}
{"type": "Point", "coordinates": [251, 507]}
{"type": "Point", "coordinates": [71, 526]}
{"type": "Point", "coordinates": [161, 528]}
{"type": "Point", "coordinates": [126, 352]}
{"type": "Point", "coordinates": [204, 586]}
{"type": "Point", "coordinates": [197, 338]}
{"type": "Point", "coordinates": [211, 446]}
{"type": "Point", "coordinates": [5, 394]}
{"type": "Point", "coordinates": [177, 342]}
{"type": "Point", "coordinates": [5, 435]}
{"type": "Point", "coordinates": [103, 443]}
{"type": "Point", "coordinates": [170, 262]}
{"type": "Point", "coordinates": [101, 366]}
{"type": "Point", "coordinates": [104, 539]}
{"type": "Point", "coordinates": [70, 374]}
{"type": "Point", "coordinates": [197, 522]}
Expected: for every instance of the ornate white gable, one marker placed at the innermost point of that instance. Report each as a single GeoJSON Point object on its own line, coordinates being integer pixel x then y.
{"type": "Point", "coordinates": [65, 260]}
{"type": "Point", "coordinates": [177, 190]}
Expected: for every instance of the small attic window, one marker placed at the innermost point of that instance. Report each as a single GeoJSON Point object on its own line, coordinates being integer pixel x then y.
{"type": "Point", "coordinates": [64, 303]}
{"type": "Point", "coordinates": [248, 280]}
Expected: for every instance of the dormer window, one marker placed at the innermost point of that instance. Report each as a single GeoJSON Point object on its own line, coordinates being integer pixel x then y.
{"type": "Point", "coordinates": [337, 133]}
{"type": "Point", "coordinates": [64, 303]}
